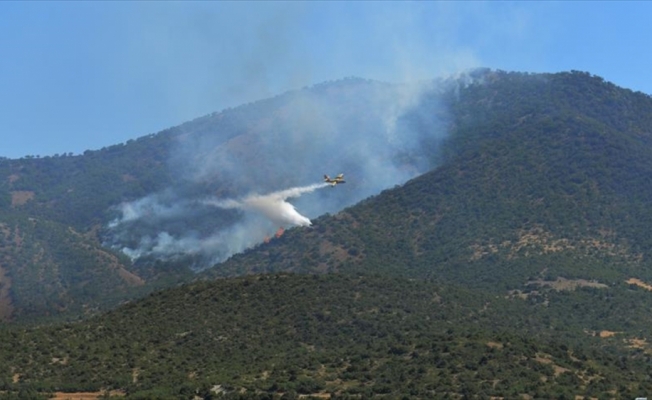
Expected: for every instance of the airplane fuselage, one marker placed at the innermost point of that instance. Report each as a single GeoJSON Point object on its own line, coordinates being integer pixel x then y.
{"type": "Point", "coordinates": [334, 181]}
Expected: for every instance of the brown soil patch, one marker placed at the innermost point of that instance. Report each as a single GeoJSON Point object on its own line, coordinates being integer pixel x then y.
{"type": "Point", "coordinates": [13, 178]}
{"type": "Point", "coordinates": [20, 197]}
{"type": "Point", "coordinates": [84, 395]}
{"type": "Point", "coordinates": [537, 241]}
{"type": "Point", "coordinates": [111, 261]}
{"type": "Point", "coordinates": [495, 345]}
{"type": "Point", "coordinates": [559, 370]}
{"type": "Point", "coordinates": [640, 283]}
{"type": "Point", "coordinates": [560, 284]}
{"type": "Point", "coordinates": [602, 334]}
{"type": "Point", "coordinates": [481, 251]}
{"type": "Point", "coordinates": [545, 359]}
{"type": "Point", "coordinates": [637, 343]}
{"type": "Point", "coordinates": [130, 278]}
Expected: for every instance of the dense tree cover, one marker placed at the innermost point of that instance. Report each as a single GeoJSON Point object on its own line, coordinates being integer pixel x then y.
{"type": "Point", "coordinates": [82, 192]}
{"type": "Point", "coordinates": [561, 157]}
{"type": "Point", "coordinates": [54, 207]}
{"type": "Point", "coordinates": [536, 168]}
{"type": "Point", "coordinates": [53, 267]}
{"type": "Point", "coordinates": [503, 272]}
{"type": "Point", "coordinates": [78, 190]}
{"type": "Point", "coordinates": [273, 335]}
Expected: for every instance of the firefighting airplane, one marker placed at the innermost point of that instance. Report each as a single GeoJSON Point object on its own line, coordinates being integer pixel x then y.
{"type": "Point", "coordinates": [334, 181]}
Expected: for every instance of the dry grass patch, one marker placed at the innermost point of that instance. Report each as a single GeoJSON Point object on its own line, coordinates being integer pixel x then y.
{"type": "Point", "coordinates": [637, 343]}
{"type": "Point", "coordinates": [537, 241]}
{"type": "Point", "coordinates": [639, 283]}
{"type": "Point", "coordinates": [20, 197]}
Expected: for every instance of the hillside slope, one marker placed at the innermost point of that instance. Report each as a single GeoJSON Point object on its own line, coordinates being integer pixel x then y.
{"type": "Point", "coordinates": [538, 176]}
{"type": "Point", "coordinates": [330, 336]}
{"type": "Point", "coordinates": [542, 197]}
{"type": "Point", "coordinates": [49, 268]}
{"type": "Point", "coordinates": [543, 176]}
{"type": "Point", "coordinates": [518, 267]}
{"type": "Point", "coordinates": [145, 198]}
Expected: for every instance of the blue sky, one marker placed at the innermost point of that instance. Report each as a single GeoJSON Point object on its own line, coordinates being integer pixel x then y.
{"type": "Point", "coordinates": [79, 76]}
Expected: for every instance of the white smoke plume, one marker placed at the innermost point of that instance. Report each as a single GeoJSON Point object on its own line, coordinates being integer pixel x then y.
{"type": "Point", "coordinates": [220, 244]}
{"type": "Point", "coordinates": [148, 207]}
{"type": "Point", "coordinates": [273, 205]}
{"type": "Point", "coordinates": [380, 135]}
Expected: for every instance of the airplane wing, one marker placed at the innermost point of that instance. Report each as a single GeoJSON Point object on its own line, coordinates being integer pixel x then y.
{"type": "Point", "coordinates": [334, 181]}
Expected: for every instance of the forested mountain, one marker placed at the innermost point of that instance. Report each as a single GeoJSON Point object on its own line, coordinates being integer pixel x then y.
{"type": "Point", "coordinates": [515, 262]}
{"type": "Point", "coordinates": [552, 165]}
{"type": "Point", "coordinates": [541, 176]}
{"type": "Point", "coordinates": [114, 223]}
{"type": "Point", "coordinates": [543, 195]}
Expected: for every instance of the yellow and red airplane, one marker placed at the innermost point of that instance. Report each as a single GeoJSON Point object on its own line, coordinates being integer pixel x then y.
{"type": "Point", "coordinates": [334, 181]}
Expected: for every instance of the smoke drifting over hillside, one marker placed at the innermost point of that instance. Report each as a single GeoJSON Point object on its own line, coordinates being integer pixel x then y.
{"type": "Point", "coordinates": [379, 135]}
{"type": "Point", "coordinates": [211, 247]}
{"type": "Point", "coordinates": [273, 206]}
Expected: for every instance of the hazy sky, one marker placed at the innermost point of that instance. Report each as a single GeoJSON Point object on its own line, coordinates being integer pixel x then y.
{"type": "Point", "coordinates": [83, 75]}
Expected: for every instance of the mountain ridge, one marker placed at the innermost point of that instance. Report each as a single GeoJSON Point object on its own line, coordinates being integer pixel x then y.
{"type": "Point", "coordinates": [83, 191]}
{"type": "Point", "coordinates": [559, 174]}
{"type": "Point", "coordinates": [518, 267]}
{"type": "Point", "coordinates": [566, 173]}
